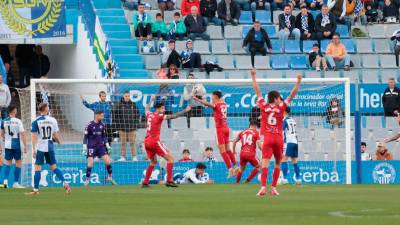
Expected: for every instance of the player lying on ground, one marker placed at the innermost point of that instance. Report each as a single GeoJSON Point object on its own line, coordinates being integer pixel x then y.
{"type": "Point", "coordinates": [272, 121]}
{"type": "Point", "coordinates": [194, 176]}
{"type": "Point", "coordinates": [152, 141]}
{"type": "Point", "coordinates": [250, 139]}
{"type": "Point", "coordinates": [291, 148]}
{"type": "Point", "coordinates": [95, 144]}
{"type": "Point", "coordinates": [13, 133]}
{"type": "Point", "coordinates": [220, 115]}
{"type": "Point", "coordinates": [44, 133]}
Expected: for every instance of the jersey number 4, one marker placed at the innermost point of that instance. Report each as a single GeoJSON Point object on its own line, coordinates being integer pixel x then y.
{"type": "Point", "coordinates": [10, 132]}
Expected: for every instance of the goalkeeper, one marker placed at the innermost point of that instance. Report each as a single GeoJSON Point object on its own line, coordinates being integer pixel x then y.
{"type": "Point", "coordinates": [95, 144]}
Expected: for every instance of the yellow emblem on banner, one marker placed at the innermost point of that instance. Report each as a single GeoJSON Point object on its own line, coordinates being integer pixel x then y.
{"type": "Point", "coordinates": [20, 25]}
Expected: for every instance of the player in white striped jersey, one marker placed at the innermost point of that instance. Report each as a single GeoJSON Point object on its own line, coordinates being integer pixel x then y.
{"type": "Point", "coordinates": [194, 176]}
{"type": "Point", "coordinates": [13, 133]}
{"type": "Point", "coordinates": [45, 132]}
{"type": "Point", "coordinates": [291, 147]}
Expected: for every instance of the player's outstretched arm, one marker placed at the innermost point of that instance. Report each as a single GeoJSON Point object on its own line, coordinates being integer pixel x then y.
{"type": "Point", "coordinates": [152, 99]}
{"type": "Point", "coordinates": [295, 89]}
{"type": "Point", "coordinates": [256, 88]}
{"type": "Point", "coordinates": [394, 138]}
{"type": "Point", "coordinates": [178, 114]}
{"type": "Point", "coordinates": [204, 102]}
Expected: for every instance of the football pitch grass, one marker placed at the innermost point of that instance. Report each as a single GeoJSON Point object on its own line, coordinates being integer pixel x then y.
{"type": "Point", "coordinates": [205, 205]}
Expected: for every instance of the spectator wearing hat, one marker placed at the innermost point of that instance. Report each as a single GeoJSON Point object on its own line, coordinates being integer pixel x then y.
{"type": "Point", "coordinates": [229, 12]}
{"type": "Point", "coordinates": [365, 156]}
{"type": "Point", "coordinates": [391, 98]}
{"type": "Point", "coordinates": [190, 59]}
{"type": "Point", "coordinates": [382, 153]}
{"type": "Point", "coordinates": [316, 59]}
{"type": "Point", "coordinates": [177, 28]}
{"type": "Point", "coordinates": [158, 28]}
{"type": "Point", "coordinates": [325, 24]}
{"type": "Point", "coordinates": [208, 10]}
{"type": "Point", "coordinates": [171, 56]}
{"type": "Point", "coordinates": [142, 23]}
{"type": "Point", "coordinates": [196, 25]}
{"type": "Point", "coordinates": [336, 54]}
{"type": "Point", "coordinates": [255, 40]}
{"type": "Point", "coordinates": [287, 25]}
{"type": "Point", "coordinates": [305, 23]}
{"type": "Point", "coordinates": [186, 157]}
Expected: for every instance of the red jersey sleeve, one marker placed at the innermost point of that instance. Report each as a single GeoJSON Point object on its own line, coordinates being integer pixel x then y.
{"type": "Point", "coordinates": [261, 103]}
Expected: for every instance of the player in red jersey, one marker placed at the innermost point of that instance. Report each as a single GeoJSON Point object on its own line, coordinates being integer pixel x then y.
{"type": "Point", "coordinates": [272, 112]}
{"type": "Point", "coordinates": [250, 139]}
{"type": "Point", "coordinates": [152, 141]}
{"type": "Point", "coordinates": [220, 114]}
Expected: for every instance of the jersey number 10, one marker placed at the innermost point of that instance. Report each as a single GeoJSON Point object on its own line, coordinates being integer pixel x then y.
{"type": "Point", "coordinates": [46, 133]}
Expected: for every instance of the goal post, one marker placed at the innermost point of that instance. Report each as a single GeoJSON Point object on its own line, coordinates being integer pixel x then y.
{"type": "Point", "coordinates": [66, 106]}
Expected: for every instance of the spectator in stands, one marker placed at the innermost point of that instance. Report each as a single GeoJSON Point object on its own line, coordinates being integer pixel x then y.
{"type": "Point", "coordinates": [24, 54]}
{"type": "Point", "coordinates": [208, 10]}
{"type": "Point", "coordinates": [336, 54]}
{"type": "Point", "coordinates": [259, 5]}
{"type": "Point", "coordinates": [189, 91]}
{"type": "Point", "coordinates": [40, 63]}
{"type": "Point", "coordinates": [382, 153]}
{"type": "Point", "coordinates": [126, 118]}
{"type": "Point", "coordinates": [229, 12]}
{"type": "Point", "coordinates": [316, 59]}
{"type": "Point", "coordinates": [186, 157]}
{"type": "Point", "coordinates": [255, 115]}
{"type": "Point", "coordinates": [371, 12]}
{"type": "Point", "coordinates": [334, 113]}
{"type": "Point", "coordinates": [287, 25]}
{"type": "Point", "coordinates": [338, 9]}
{"type": "Point", "coordinates": [325, 24]}
{"type": "Point", "coordinates": [355, 10]}
{"type": "Point", "coordinates": [171, 56]}
{"type": "Point", "coordinates": [190, 59]}
{"type": "Point", "coordinates": [396, 39]}
{"type": "Point", "coordinates": [130, 4]}
{"type": "Point", "coordinates": [168, 5]}
{"type": "Point", "coordinates": [390, 12]}
{"type": "Point", "coordinates": [177, 28]}
{"type": "Point", "coordinates": [315, 4]}
{"type": "Point", "coordinates": [208, 155]}
{"type": "Point", "coordinates": [187, 5]}
{"type": "Point", "coordinates": [104, 106]}
{"type": "Point", "coordinates": [255, 41]}
{"type": "Point", "coordinates": [7, 58]}
{"type": "Point", "coordinates": [196, 25]}
{"type": "Point", "coordinates": [142, 24]}
{"type": "Point", "coordinates": [162, 72]}
{"type": "Point", "coordinates": [365, 156]}
{"type": "Point", "coordinates": [391, 98]}
{"type": "Point", "coordinates": [173, 72]}
{"type": "Point", "coordinates": [305, 23]}
{"type": "Point", "coordinates": [158, 28]}
{"type": "Point", "coordinates": [5, 98]}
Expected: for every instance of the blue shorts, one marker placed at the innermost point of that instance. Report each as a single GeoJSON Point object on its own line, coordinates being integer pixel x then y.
{"type": "Point", "coordinates": [49, 156]}
{"type": "Point", "coordinates": [98, 152]}
{"type": "Point", "coordinates": [11, 154]}
{"type": "Point", "coordinates": [292, 150]}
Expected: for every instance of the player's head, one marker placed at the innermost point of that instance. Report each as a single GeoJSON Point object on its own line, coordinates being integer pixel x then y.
{"type": "Point", "coordinates": [102, 96]}
{"type": "Point", "coordinates": [216, 96]}
{"type": "Point", "coordinates": [99, 116]}
{"type": "Point", "coordinates": [12, 109]}
{"type": "Point", "coordinates": [160, 107]}
{"type": "Point", "coordinates": [287, 111]}
{"type": "Point", "coordinates": [274, 97]}
{"type": "Point", "coordinates": [200, 168]}
{"type": "Point", "coordinates": [363, 146]}
{"type": "Point", "coordinates": [43, 108]}
{"type": "Point", "coordinates": [253, 124]}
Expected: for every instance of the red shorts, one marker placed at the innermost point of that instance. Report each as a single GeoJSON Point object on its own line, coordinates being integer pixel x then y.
{"type": "Point", "coordinates": [155, 147]}
{"type": "Point", "coordinates": [272, 145]}
{"type": "Point", "coordinates": [223, 136]}
{"type": "Point", "coordinates": [248, 158]}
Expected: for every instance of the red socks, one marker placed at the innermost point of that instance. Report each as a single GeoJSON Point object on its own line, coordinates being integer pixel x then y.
{"type": "Point", "coordinates": [275, 176]}
{"type": "Point", "coordinates": [252, 174]}
{"type": "Point", "coordinates": [231, 157]}
{"type": "Point", "coordinates": [169, 171]}
{"type": "Point", "coordinates": [239, 176]}
{"type": "Point", "coordinates": [148, 174]}
{"type": "Point", "coordinates": [264, 175]}
{"type": "Point", "coordinates": [226, 159]}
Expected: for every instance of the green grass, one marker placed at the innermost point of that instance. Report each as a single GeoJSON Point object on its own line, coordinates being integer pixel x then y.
{"type": "Point", "coordinates": [205, 205]}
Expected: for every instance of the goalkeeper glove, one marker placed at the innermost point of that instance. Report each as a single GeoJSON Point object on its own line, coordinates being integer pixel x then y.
{"type": "Point", "coordinates": [109, 149]}
{"type": "Point", "coordinates": [84, 149]}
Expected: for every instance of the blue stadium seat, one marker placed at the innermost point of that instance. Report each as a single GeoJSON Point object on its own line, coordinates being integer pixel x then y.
{"type": "Point", "coordinates": [276, 46]}
{"type": "Point", "coordinates": [324, 44]}
{"type": "Point", "coordinates": [279, 62]}
{"type": "Point", "coordinates": [343, 30]}
{"type": "Point", "coordinates": [315, 13]}
{"type": "Point", "coordinates": [350, 46]}
{"type": "Point", "coordinates": [263, 16]}
{"type": "Point", "coordinates": [298, 62]}
{"type": "Point", "coordinates": [246, 17]}
{"type": "Point", "coordinates": [292, 46]}
{"type": "Point", "coordinates": [245, 30]}
{"type": "Point", "coordinates": [133, 74]}
{"type": "Point", "coordinates": [307, 45]}
{"type": "Point", "coordinates": [271, 30]}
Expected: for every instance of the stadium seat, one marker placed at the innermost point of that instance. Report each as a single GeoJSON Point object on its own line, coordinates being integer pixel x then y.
{"type": "Point", "coordinates": [115, 27]}
{"type": "Point", "coordinates": [153, 61]}
{"type": "Point", "coordinates": [390, 123]}
{"type": "Point", "coordinates": [292, 73]}
{"type": "Point", "coordinates": [233, 32]}
{"type": "Point", "coordinates": [185, 134]}
{"type": "Point", "coordinates": [362, 28]}
{"type": "Point", "coordinates": [370, 76]}
{"type": "Point", "coordinates": [349, 44]}
{"type": "Point", "coordinates": [243, 62]}
{"type": "Point", "coordinates": [386, 74]}
{"type": "Point", "coordinates": [315, 13]}
{"type": "Point", "coordinates": [180, 46]}
{"type": "Point", "coordinates": [356, 61]}
{"type": "Point", "coordinates": [263, 16]}
{"type": "Point", "coordinates": [382, 46]}
{"type": "Point", "coordinates": [352, 74]}
{"type": "Point", "coordinates": [236, 75]}
{"type": "Point", "coordinates": [332, 74]}
{"type": "Point", "coordinates": [226, 62]}
{"type": "Point", "coordinates": [279, 62]}
{"type": "Point", "coordinates": [215, 32]}
{"type": "Point", "coordinates": [324, 44]}
{"type": "Point", "coordinates": [201, 47]}
{"type": "Point", "coordinates": [275, 16]}
{"type": "Point", "coordinates": [154, 5]}
{"type": "Point", "coordinates": [343, 31]}
{"type": "Point", "coordinates": [219, 47]}
{"type": "Point", "coordinates": [370, 61]}
{"type": "Point", "coordinates": [205, 58]}
{"type": "Point", "coordinates": [178, 4]}
{"type": "Point", "coordinates": [388, 61]}
{"type": "Point", "coordinates": [168, 16]}
{"type": "Point", "coordinates": [390, 29]}
{"type": "Point", "coordinates": [312, 74]}
{"type": "Point", "coordinates": [217, 75]}
{"type": "Point", "coordinates": [276, 46]}
{"type": "Point", "coordinates": [246, 17]}
{"type": "Point", "coordinates": [236, 47]}
{"type": "Point", "coordinates": [271, 30]}
{"type": "Point", "coordinates": [298, 62]}
{"type": "Point", "coordinates": [307, 45]}
{"type": "Point", "coordinates": [261, 62]}
{"type": "Point", "coordinates": [374, 122]}
{"type": "Point", "coordinates": [200, 75]}
{"type": "Point", "coordinates": [153, 14]}
{"type": "Point", "coordinates": [245, 30]}
{"type": "Point", "coordinates": [376, 31]}
{"type": "Point", "coordinates": [179, 123]}
{"type": "Point", "coordinates": [292, 46]}
{"type": "Point", "coordinates": [364, 46]}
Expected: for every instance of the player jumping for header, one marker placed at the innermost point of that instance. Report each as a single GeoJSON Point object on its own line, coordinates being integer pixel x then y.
{"type": "Point", "coordinates": [272, 117]}
{"type": "Point", "coordinates": [95, 144]}
{"type": "Point", "coordinates": [152, 141]}
{"type": "Point", "coordinates": [250, 139]}
{"type": "Point", "coordinates": [44, 133]}
{"type": "Point", "coordinates": [220, 115]}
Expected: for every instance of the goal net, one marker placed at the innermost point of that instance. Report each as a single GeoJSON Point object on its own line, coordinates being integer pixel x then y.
{"type": "Point", "coordinates": [321, 111]}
